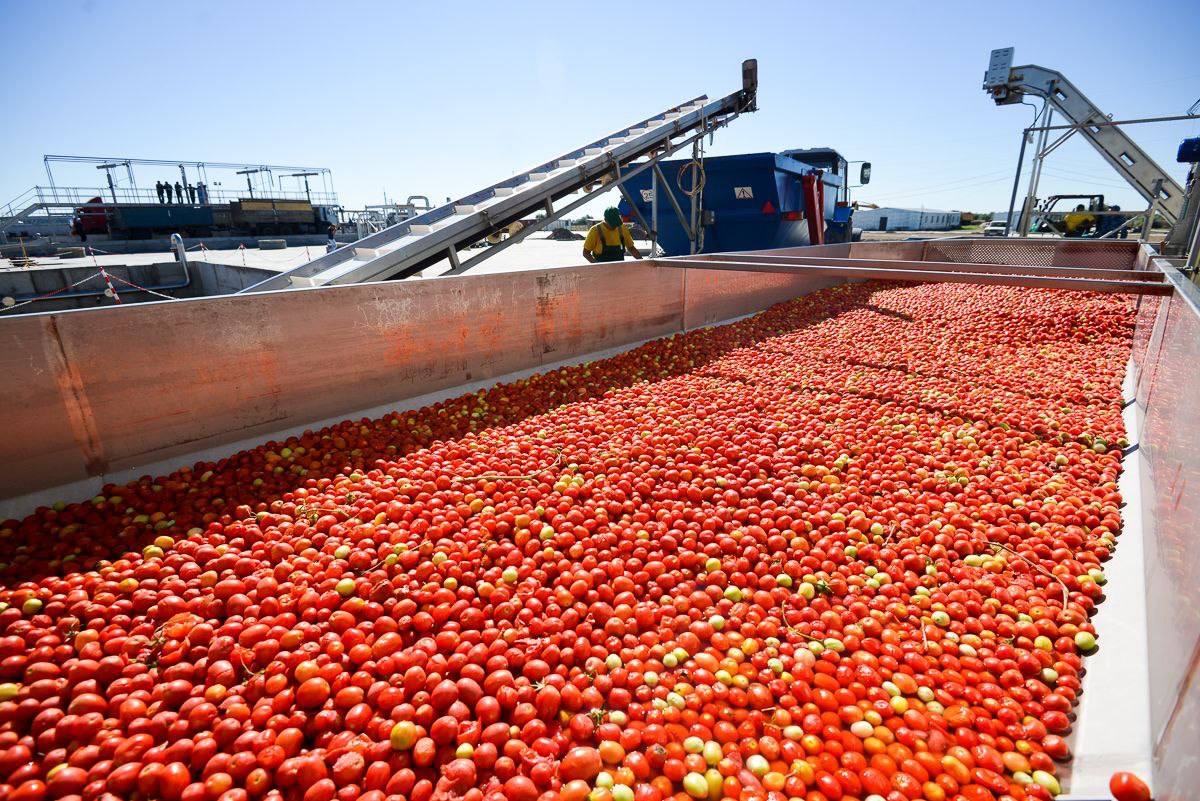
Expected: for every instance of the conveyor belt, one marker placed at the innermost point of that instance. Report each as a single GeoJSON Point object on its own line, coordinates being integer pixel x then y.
{"type": "Point", "coordinates": [1007, 85]}
{"type": "Point", "coordinates": [404, 249]}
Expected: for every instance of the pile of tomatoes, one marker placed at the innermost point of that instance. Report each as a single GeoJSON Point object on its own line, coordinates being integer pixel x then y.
{"type": "Point", "coordinates": [845, 549]}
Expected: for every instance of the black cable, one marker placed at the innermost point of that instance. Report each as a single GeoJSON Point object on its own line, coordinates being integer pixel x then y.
{"type": "Point", "coordinates": [1036, 111]}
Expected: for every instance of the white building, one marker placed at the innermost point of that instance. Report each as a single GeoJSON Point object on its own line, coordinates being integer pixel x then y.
{"type": "Point", "coordinates": [894, 219]}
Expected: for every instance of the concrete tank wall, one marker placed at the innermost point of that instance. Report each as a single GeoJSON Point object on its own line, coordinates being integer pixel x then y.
{"type": "Point", "coordinates": [201, 279]}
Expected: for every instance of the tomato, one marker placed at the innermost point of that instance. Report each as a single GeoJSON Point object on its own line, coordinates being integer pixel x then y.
{"type": "Point", "coordinates": [1127, 786]}
{"type": "Point", "coordinates": [580, 763]}
{"type": "Point", "coordinates": [817, 552]}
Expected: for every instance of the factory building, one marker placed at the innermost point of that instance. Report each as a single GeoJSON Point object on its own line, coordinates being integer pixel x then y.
{"type": "Point", "coordinates": [894, 219]}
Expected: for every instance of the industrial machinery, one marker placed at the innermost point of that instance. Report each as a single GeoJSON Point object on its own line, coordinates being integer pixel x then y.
{"type": "Point", "coordinates": [1165, 197]}
{"type": "Point", "coordinates": [407, 248]}
{"type": "Point", "coordinates": [1054, 214]}
{"type": "Point", "coordinates": [373, 218]}
{"type": "Point", "coordinates": [213, 200]}
{"type": "Point", "coordinates": [250, 217]}
{"type": "Point", "coordinates": [745, 202]}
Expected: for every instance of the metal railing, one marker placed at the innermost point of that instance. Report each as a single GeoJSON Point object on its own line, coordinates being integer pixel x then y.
{"type": "Point", "coordinates": [48, 196]}
{"type": "Point", "coordinates": [20, 203]}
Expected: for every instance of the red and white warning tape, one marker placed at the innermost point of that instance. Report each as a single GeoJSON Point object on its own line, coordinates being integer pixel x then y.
{"type": "Point", "coordinates": [112, 291]}
{"type": "Point", "coordinates": [140, 288]}
{"type": "Point", "coordinates": [48, 295]}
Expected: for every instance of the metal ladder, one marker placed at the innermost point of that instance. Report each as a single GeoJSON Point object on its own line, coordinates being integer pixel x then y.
{"type": "Point", "coordinates": [408, 247]}
{"type": "Point", "coordinates": [1008, 84]}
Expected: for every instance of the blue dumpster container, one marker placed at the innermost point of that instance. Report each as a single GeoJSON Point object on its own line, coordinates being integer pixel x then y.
{"type": "Point", "coordinates": [749, 202]}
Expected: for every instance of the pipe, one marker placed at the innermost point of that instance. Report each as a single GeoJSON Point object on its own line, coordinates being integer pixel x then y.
{"type": "Point", "coordinates": [180, 252]}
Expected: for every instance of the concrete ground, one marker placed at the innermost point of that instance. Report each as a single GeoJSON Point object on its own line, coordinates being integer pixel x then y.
{"type": "Point", "coordinates": [895, 236]}
{"type": "Point", "coordinates": [535, 253]}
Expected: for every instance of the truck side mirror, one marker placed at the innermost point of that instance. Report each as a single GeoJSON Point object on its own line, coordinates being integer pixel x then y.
{"type": "Point", "coordinates": [864, 173]}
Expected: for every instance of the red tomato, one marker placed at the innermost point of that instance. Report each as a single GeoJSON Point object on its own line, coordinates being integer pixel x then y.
{"type": "Point", "coordinates": [580, 763]}
{"type": "Point", "coordinates": [1127, 786]}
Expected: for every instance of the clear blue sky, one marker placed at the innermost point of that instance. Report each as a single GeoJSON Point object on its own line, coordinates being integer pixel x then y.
{"type": "Point", "coordinates": [441, 98]}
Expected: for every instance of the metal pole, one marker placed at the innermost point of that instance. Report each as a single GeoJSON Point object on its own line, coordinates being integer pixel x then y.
{"type": "Point", "coordinates": [695, 177]}
{"type": "Point", "coordinates": [1115, 123]}
{"type": "Point", "coordinates": [653, 212]}
{"type": "Point", "coordinates": [1193, 256]}
{"type": "Point", "coordinates": [1012, 201]}
{"type": "Point", "coordinates": [50, 177]}
{"type": "Point", "coordinates": [1055, 144]}
{"type": "Point", "coordinates": [1148, 220]}
{"type": "Point", "coordinates": [180, 250]}
{"type": "Point", "coordinates": [683, 222]}
{"type": "Point", "coordinates": [1035, 173]}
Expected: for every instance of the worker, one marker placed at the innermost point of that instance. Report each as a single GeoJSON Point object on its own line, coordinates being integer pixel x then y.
{"type": "Point", "coordinates": [158, 187]}
{"type": "Point", "coordinates": [608, 240]}
{"type": "Point", "coordinates": [331, 244]}
{"type": "Point", "coordinates": [1119, 225]}
{"type": "Point", "coordinates": [1078, 222]}
{"type": "Point", "coordinates": [191, 190]}
{"type": "Point", "coordinates": [179, 191]}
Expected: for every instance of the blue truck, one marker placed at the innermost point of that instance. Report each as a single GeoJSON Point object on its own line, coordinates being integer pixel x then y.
{"type": "Point", "coordinates": [747, 202]}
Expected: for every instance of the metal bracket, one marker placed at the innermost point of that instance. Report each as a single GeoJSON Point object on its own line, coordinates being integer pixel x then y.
{"type": "Point", "coordinates": [687, 227]}
{"type": "Point", "coordinates": [625, 194]}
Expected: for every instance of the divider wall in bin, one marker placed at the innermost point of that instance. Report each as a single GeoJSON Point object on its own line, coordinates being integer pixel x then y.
{"type": "Point", "coordinates": [1101, 255]}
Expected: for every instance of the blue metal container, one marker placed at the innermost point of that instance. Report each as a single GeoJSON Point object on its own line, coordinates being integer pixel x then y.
{"type": "Point", "coordinates": [749, 202]}
{"type": "Point", "coordinates": [151, 217]}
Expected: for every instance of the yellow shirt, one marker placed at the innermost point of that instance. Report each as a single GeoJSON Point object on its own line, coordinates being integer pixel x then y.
{"type": "Point", "coordinates": [611, 236]}
{"type": "Point", "coordinates": [1078, 219]}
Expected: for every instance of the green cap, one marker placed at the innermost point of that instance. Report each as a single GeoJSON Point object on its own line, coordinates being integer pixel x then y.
{"type": "Point", "coordinates": [612, 216]}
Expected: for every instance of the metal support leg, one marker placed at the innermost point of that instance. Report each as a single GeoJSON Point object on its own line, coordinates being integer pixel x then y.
{"type": "Point", "coordinates": [654, 214]}
{"type": "Point", "coordinates": [1151, 210]}
{"type": "Point", "coordinates": [620, 182]}
{"type": "Point", "coordinates": [1193, 257]}
{"type": "Point", "coordinates": [1012, 201]}
{"type": "Point", "coordinates": [687, 228]}
{"type": "Point", "coordinates": [629, 198]}
{"type": "Point", "coordinates": [1035, 173]}
{"type": "Point", "coordinates": [1148, 223]}
{"type": "Point", "coordinates": [1050, 148]}
{"type": "Point", "coordinates": [695, 230]}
